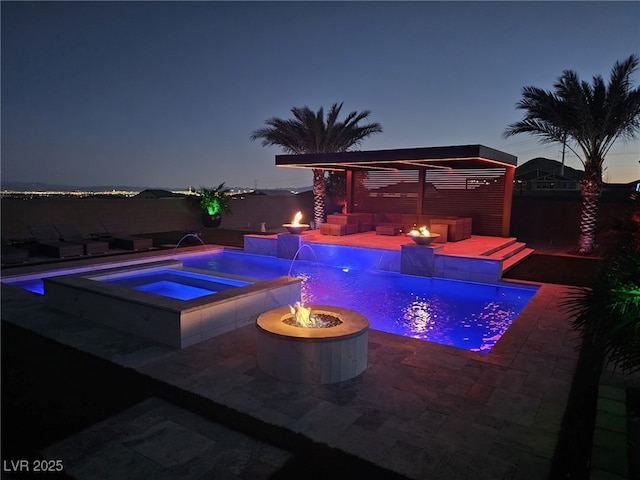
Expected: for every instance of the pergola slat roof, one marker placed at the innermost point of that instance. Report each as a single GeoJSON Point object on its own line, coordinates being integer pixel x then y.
{"type": "Point", "coordinates": [454, 157]}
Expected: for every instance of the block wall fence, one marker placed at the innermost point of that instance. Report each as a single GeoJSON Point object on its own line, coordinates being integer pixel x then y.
{"type": "Point", "coordinates": [533, 219]}
{"type": "Point", "coordinates": [140, 216]}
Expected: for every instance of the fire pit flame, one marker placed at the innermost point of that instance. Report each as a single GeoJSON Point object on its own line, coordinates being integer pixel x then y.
{"type": "Point", "coordinates": [303, 318]}
{"type": "Point", "coordinates": [295, 226]}
{"type": "Point", "coordinates": [423, 231]}
{"type": "Point", "coordinates": [422, 236]}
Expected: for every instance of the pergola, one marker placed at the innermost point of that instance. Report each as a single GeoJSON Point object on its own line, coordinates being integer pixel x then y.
{"type": "Point", "coordinates": [460, 180]}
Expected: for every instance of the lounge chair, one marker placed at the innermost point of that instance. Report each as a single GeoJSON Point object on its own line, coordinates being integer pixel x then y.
{"type": "Point", "coordinates": [11, 254]}
{"type": "Point", "coordinates": [69, 233]}
{"type": "Point", "coordinates": [125, 241]}
{"type": "Point", "coordinates": [49, 242]}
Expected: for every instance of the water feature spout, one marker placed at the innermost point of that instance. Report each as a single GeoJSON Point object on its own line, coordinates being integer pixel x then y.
{"type": "Point", "coordinates": [298, 251]}
{"type": "Point", "coordinates": [194, 235]}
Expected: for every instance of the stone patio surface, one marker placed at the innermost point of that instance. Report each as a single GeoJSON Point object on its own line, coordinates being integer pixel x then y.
{"type": "Point", "coordinates": [420, 409]}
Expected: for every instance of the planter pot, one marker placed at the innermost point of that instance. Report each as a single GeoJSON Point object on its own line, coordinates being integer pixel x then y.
{"type": "Point", "coordinates": [211, 221]}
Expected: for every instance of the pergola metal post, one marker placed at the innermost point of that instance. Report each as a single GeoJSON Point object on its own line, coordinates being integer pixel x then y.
{"type": "Point", "coordinates": [507, 200]}
{"type": "Point", "coordinates": [349, 181]}
{"type": "Point", "coordinates": [420, 200]}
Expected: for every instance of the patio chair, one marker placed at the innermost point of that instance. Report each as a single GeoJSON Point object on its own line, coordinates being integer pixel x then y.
{"type": "Point", "coordinates": [11, 254]}
{"type": "Point", "coordinates": [125, 241]}
{"type": "Point", "coordinates": [49, 242]}
{"type": "Point", "coordinates": [69, 233]}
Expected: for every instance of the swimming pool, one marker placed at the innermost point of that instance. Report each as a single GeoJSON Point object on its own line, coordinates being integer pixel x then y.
{"type": "Point", "coordinates": [467, 315]}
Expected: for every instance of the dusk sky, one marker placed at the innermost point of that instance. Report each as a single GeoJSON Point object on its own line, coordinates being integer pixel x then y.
{"type": "Point", "coordinates": [167, 94]}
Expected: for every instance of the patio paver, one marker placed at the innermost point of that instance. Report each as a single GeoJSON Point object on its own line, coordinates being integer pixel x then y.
{"type": "Point", "coordinates": [420, 409]}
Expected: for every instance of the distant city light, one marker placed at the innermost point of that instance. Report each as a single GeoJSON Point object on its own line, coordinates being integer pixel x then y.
{"type": "Point", "coordinates": [113, 192]}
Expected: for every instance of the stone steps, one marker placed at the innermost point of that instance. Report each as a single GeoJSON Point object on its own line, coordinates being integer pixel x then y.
{"type": "Point", "coordinates": [508, 250]}
{"type": "Point", "coordinates": [491, 251]}
{"type": "Point", "coordinates": [511, 252]}
{"type": "Point", "coordinates": [514, 260]}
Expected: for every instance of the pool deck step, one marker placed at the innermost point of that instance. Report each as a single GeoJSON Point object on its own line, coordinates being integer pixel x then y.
{"type": "Point", "coordinates": [490, 252]}
{"type": "Point", "coordinates": [515, 259]}
{"type": "Point", "coordinates": [508, 250]}
{"type": "Point", "coordinates": [511, 252]}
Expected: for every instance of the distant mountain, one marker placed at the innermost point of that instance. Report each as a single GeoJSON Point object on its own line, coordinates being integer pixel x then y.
{"type": "Point", "coordinates": [541, 164]}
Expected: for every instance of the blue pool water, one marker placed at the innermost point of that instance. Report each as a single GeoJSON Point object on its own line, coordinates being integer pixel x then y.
{"type": "Point", "coordinates": [467, 315]}
{"type": "Point", "coordinates": [34, 285]}
{"type": "Point", "coordinates": [472, 316]}
{"type": "Point", "coordinates": [175, 283]}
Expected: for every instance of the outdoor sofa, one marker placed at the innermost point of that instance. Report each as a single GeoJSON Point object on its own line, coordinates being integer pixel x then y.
{"type": "Point", "coordinates": [457, 228]}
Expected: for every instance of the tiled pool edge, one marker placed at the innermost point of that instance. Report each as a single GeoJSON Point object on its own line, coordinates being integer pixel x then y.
{"type": "Point", "coordinates": [411, 259]}
{"type": "Point", "coordinates": [173, 322]}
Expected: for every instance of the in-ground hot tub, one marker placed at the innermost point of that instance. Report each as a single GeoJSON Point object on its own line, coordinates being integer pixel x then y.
{"type": "Point", "coordinates": [166, 302]}
{"type": "Point", "coordinates": [327, 354]}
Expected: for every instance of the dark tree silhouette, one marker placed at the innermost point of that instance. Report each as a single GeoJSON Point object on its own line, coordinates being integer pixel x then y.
{"type": "Point", "coordinates": [591, 116]}
{"type": "Point", "coordinates": [310, 132]}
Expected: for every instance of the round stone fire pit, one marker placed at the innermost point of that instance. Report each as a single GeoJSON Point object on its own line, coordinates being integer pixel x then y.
{"type": "Point", "coordinates": [332, 353]}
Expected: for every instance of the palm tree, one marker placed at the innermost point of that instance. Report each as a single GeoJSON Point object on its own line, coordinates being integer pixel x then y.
{"type": "Point", "coordinates": [309, 132]}
{"type": "Point", "coordinates": [591, 116]}
{"type": "Point", "coordinates": [607, 313]}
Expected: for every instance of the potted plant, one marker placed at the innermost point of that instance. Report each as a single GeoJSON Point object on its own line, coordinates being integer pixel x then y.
{"type": "Point", "coordinates": [214, 202]}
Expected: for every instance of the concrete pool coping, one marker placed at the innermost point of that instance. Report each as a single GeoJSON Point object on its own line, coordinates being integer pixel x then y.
{"type": "Point", "coordinates": [171, 321]}
{"type": "Point", "coordinates": [351, 323]}
{"type": "Point", "coordinates": [420, 409]}
{"type": "Point", "coordinates": [85, 281]}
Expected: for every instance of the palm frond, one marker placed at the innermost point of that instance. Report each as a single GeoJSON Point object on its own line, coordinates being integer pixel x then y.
{"type": "Point", "coordinates": [607, 313]}
{"type": "Point", "coordinates": [315, 132]}
{"type": "Point", "coordinates": [587, 117]}
{"type": "Point", "coordinates": [593, 115]}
